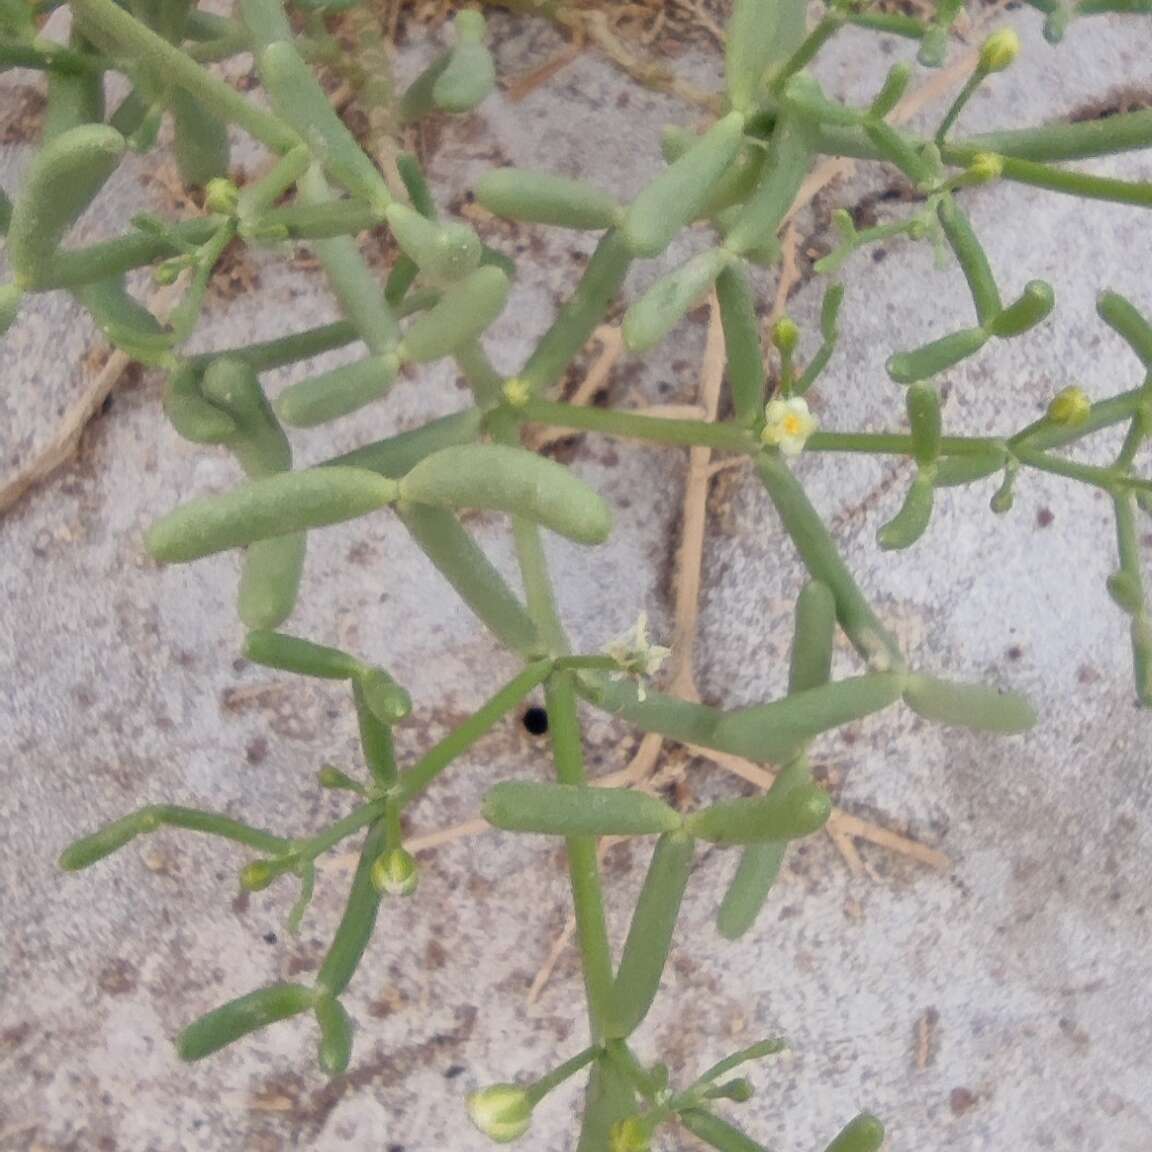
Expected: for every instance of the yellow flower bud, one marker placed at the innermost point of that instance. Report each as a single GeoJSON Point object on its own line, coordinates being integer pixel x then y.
{"type": "Point", "coordinates": [985, 167]}
{"type": "Point", "coordinates": [395, 872]}
{"type": "Point", "coordinates": [503, 1112]}
{"type": "Point", "coordinates": [785, 335]}
{"type": "Point", "coordinates": [999, 50]}
{"type": "Point", "coordinates": [221, 196]}
{"type": "Point", "coordinates": [168, 271]}
{"type": "Point", "coordinates": [1069, 407]}
{"type": "Point", "coordinates": [257, 875]}
{"type": "Point", "coordinates": [517, 392]}
{"type": "Point", "coordinates": [631, 1135]}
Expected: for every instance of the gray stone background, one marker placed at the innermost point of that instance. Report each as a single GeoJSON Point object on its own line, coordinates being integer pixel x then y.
{"type": "Point", "coordinates": [1001, 1005]}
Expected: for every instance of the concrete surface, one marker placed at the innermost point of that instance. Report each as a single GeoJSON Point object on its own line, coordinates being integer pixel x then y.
{"type": "Point", "coordinates": [1003, 1006]}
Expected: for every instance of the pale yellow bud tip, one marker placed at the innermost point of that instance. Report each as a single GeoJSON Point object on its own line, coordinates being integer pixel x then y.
{"type": "Point", "coordinates": [999, 50]}
{"type": "Point", "coordinates": [395, 873]}
{"type": "Point", "coordinates": [631, 1135]}
{"type": "Point", "coordinates": [503, 1112]}
{"type": "Point", "coordinates": [785, 335]}
{"type": "Point", "coordinates": [986, 167]}
{"type": "Point", "coordinates": [221, 196]}
{"type": "Point", "coordinates": [1069, 407]}
{"type": "Point", "coordinates": [517, 392]}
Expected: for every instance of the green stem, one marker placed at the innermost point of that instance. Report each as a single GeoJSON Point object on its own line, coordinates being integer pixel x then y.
{"type": "Point", "coordinates": [578, 317]}
{"type": "Point", "coordinates": [806, 53]}
{"type": "Point", "coordinates": [110, 258]}
{"type": "Point", "coordinates": [585, 663]}
{"type": "Point", "coordinates": [583, 866]}
{"type": "Point", "coordinates": [823, 560]}
{"type": "Point", "coordinates": [358, 818]}
{"type": "Point", "coordinates": [537, 586]}
{"type": "Point", "coordinates": [1132, 441]}
{"type": "Point", "coordinates": [1028, 156]}
{"type": "Point", "coordinates": [45, 57]}
{"type": "Point", "coordinates": [220, 48]}
{"type": "Point", "coordinates": [284, 349]}
{"type": "Point", "coordinates": [1044, 435]}
{"type": "Point", "coordinates": [318, 221]}
{"type": "Point", "coordinates": [962, 97]}
{"type": "Point", "coordinates": [1026, 451]}
{"type": "Point", "coordinates": [1082, 184]}
{"type": "Point", "coordinates": [214, 824]}
{"type": "Point", "coordinates": [350, 277]}
{"type": "Point", "coordinates": [1127, 543]}
{"type": "Point", "coordinates": [1109, 479]}
{"type": "Point", "coordinates": [106, 24]}
{"type": "Point", "coordinates": [462, 562]}
{"type": "Point", "coordinates": [636, 426]}
{"type": "Point", "coordinates": [486, 383]}
{"type": "Point", "coordinates": [460, 739]}
{"type": "Point", "coordinates": [898, 444]}
{"type": "Point", "coordinates": [757, 1051]}
{"type": "Point", "coordinates": [621, 1055]}
{"type": "Point", "coordinates": [549, 1081]}
{"type": "Point", "coordinates": [893, 23]}
{"type": "Point", "coordinates": [1052, 143]}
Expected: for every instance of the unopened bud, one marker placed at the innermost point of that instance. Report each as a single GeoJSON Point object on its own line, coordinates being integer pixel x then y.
{"type": "Point", "coordinates": [985, 167]}
{"type": "Point", "coordinates": [332, 777]}
{"type": "Point", "coordinates": [631, 1135]}
{"type": "Point", "coordinates": [517, 392]}
{"type": "Point", "coordinates": [999, 50]}
{"type": "Point", "coordinates": [257, 875]}
{"type": "Point", "coordinates": [502, 1112]}
{"type": "Point", "coordinates": [396, 873]}
{"type": "Point", "coordinates": [1069, 407]}
{"type": "Point", "coordinates": [221, 196]}
{"type": "Point", "coordinates": [738, 1090]}
{"type": "Point", "coordinates": [169, 271]}
{"type": "Point", "coordinates": [785, 335]}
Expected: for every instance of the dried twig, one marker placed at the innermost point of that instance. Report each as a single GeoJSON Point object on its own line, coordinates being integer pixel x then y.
{"type": "Point", "coordinates": [65, 441]}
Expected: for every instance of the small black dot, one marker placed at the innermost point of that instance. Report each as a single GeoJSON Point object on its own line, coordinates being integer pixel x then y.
{"type": "Point", "coordinates": [535, 721]}
{"type": "Point", "coordinates": [454, 1070]}
{"type": "Point", "coordinates": [269, 937]}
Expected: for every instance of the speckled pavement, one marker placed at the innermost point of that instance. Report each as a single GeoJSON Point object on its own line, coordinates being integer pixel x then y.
{"type": "Point", "coordinates": [1004, 1005]}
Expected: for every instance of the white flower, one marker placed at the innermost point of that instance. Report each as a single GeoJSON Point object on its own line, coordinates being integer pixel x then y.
{"type": "Point", "coordinates": [636, 654]}
{"type": "Point", "coordinates": [787, 425]}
